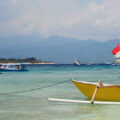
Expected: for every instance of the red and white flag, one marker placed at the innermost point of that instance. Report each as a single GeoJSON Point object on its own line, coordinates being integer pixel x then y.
{"type": "Point", "coordinates": [116, 52]}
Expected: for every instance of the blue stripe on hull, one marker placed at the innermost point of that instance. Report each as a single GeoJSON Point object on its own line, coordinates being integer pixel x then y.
{"type": "Point", "coordinates": [1, 69]}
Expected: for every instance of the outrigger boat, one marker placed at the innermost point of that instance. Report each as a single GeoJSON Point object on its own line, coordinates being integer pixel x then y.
{"type": "Point", "coordinates": [108, 93]}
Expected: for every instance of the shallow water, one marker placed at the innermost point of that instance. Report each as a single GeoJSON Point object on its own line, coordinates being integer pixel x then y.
{"type": "Point", "coordinates": [33, 90]}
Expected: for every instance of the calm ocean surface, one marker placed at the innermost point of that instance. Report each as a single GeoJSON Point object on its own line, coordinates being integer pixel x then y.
{"type": "Point", "coordinates": [29, 93]}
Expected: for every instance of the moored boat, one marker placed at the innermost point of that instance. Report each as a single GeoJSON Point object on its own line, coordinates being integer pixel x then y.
{"type": "Point", "coordinates": [105, 92]}
{"type": "Point", "coordinates": [76, 62]}
{"type": "Point", "coordinates": [13, 67]}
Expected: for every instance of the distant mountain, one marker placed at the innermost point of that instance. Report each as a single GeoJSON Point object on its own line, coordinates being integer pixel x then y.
{"type": "Point", "coordinates": [57, 49]}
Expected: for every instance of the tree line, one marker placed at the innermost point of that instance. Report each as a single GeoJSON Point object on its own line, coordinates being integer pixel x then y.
{"type": "Point", "coordinates": [15, 60]}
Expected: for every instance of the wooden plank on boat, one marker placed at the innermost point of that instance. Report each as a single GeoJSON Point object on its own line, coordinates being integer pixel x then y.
{"type": "Point", "coordinates": [82, 101]}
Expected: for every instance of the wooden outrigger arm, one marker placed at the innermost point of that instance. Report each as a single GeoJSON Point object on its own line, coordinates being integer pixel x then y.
{"type": "Point", "coordinates": [99, 84]}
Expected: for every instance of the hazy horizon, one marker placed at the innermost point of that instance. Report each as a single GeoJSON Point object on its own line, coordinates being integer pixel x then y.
{"type": "Point", "coordinates": [58, 49]}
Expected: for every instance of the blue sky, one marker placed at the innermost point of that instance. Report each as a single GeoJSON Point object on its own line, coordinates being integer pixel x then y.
{"type": "Point", "coordinates": [81, 19]}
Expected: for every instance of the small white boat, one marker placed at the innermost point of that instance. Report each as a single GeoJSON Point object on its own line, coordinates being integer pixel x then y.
{"type": "Point", "coordinates": [76, 62]}
{"type": "Point", "coordinates": [13, 67]}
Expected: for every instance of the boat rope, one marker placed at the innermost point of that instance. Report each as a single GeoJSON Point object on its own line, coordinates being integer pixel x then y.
{"type": "Point", "coordinates": [23, 91]}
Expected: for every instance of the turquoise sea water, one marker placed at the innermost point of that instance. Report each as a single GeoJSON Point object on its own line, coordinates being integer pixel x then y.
{"type": "Point", "coordinates": [29, 93]}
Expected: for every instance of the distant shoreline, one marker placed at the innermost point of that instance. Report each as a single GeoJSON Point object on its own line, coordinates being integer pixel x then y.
{"type": "Point", "coordinates": [28, 63]}
{"type": "Point", "coordinates": [31, 60]}
{"type": "Point", "coordinates": [41, 63]}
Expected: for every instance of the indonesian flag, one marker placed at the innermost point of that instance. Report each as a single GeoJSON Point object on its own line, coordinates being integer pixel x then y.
{"type": "Point", "coordinates": [116, 52]}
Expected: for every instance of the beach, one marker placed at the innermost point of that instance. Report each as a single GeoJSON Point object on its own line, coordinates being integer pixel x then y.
{"type": "Point", "coordinates": [24, 95]}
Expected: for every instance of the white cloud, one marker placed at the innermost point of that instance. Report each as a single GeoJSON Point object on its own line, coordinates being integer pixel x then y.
{"type": "Point", "coordinates": [71, 18]}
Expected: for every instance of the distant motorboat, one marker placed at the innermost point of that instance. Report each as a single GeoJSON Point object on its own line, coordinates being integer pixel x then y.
{"type": "Point", "coordinates": [13, 67]}
{"type": "Point", "coordinates": [76, 62]}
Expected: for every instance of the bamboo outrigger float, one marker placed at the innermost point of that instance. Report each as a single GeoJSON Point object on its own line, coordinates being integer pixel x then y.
{"type": "Point", "coordinates": [83, 101]}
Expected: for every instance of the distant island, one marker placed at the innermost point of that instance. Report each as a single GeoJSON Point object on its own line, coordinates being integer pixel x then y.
{"type": "Point", "coordinates": [31, 60]}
